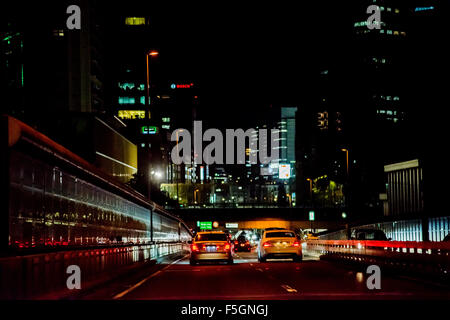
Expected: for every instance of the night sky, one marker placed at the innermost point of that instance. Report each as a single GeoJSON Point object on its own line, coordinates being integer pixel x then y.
{"type": "Point", "coordinates": [248, 56]}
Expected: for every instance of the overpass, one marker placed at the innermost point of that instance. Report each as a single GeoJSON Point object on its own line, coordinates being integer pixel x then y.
{"type": "Point", "coordinates": [261, 218]}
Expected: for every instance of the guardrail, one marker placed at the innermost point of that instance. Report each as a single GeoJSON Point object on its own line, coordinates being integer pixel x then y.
{"type": "Point", "coordinates": [44, 275]}
{"type": "Point", "coordinates": [424, 258]}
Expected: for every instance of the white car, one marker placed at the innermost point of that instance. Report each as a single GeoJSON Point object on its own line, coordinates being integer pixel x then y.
{"type": "Point", "coordinates": [279, 244]}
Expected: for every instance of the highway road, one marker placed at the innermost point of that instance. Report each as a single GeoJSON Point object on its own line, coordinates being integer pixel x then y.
{"type": "Point", "coordinates": [272, 280]}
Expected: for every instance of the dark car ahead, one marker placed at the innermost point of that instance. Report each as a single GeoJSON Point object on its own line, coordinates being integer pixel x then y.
{"type": "Point", "coordinates": [369, 234]}
{"type": "Point", "coordinates": [242, 244]}
{"type": "Point", "coordinates": [211, 246]}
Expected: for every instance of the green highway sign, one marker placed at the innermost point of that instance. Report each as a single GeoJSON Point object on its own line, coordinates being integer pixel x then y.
{"type": "Point", "coordinates": [205, 225]}
{"type": "Point", "coordinates": [311, 216]}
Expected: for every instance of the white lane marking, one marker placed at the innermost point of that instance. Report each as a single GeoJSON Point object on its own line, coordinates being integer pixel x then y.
{"type": "Point", "coordinates": [120, 295]}
{"type": "Point", "coordinates": [288, 288]}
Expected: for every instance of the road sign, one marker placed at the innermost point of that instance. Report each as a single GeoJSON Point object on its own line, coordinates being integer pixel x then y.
{"type": "Point", "coordinates": [205, 225]}
{"type": "Point", "coordinates": [311, 216]}
{"type": "Point", "coordinates": [233, 225]}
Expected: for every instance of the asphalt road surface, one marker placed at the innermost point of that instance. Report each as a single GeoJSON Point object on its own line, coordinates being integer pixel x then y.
{"type": "Point", "coordinates": [272, 280]}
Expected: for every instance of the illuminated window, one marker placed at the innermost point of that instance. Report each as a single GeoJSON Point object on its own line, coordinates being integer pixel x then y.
{"type": "Point", "coordinates": [396, 98]}
{"type": "Point", "coordinates": [167, 119]}
{"type": "Point", "coordinates": [165, 126]}
{"type": "Point", "coordinates": [142, 100]}
{"type": "Point", "coordinates": [126, 85]}
{"type": "Point", "coordinates": [134, 21]}
{"type": "Point", "coordinates": [360, 24]}
{"type": "Point", "coordinates": [131, 114]}
{"type": "Point", "coordinates": [149, 130]}
{"type": "Point", "coordinates": [389, 112]}
{"type": "Point", "coordinates": [58, 33]}
{"type": "Point", "coordinates": [397, 11]}
{"type": "Point", "coordinates": [141, 87]}
{"type": "Point", "coordinates": [389, 32]}
{"type": "Point", "coordinates": [127, 100]}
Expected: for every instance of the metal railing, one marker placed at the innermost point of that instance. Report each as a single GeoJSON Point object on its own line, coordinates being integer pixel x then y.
{"type": "Point", "coordinates": [402, 230]}
{"type": "Point", "coordinates": [425, 258]}
{"type": "Point", "coordinates": [44, 275]}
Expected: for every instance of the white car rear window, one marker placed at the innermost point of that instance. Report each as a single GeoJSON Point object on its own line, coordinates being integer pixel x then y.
{"type": "Point", "coordinates": [280, 235]}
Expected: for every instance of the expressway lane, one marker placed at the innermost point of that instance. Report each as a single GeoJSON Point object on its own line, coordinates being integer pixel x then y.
{"type": "Point", "coordinates": [249, 279]}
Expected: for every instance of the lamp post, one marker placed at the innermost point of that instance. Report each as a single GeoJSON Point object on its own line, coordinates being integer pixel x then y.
{"type": "Point", "coordinates": [151, 53]}
{"type": "Point", "coordinates": [346, 156]}
{"type": "Point", "coordinates": [310, 188]}
{"type": "Point", "coordinates": [346, 193]}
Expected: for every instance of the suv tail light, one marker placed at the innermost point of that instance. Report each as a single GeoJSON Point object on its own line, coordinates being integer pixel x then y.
{"type": "Point", "coordinates": [194, 247]}
{"type": "Point", "coordinates": [267, 244]}
{"type": "Point", "coordinates": [296, 244]}
{"type": "Point", "coordinates": [227, 247]}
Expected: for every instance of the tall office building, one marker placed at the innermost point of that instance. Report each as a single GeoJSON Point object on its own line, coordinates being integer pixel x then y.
{"type": "Point", "coordinates": [45, 63]}
{"type": "Point", "coordinates": [287, 135]}
{"type": "Point", "coordinates": [387, 91]}
{"type": "Point", "coordinates": [52, 78]}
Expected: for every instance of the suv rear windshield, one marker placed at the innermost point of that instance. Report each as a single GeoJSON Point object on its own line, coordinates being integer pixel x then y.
{"type": "Point", "coordinates": [211, 237]}
{"type": "Point", "coordinates": [280, 235]}
{"type": "Point", "coordinates": [370, 235]}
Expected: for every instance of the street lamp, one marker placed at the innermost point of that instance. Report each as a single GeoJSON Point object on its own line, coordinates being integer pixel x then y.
{"type": "Point", "coordinates": [346, 155]}
{"type": "Point", "coordinates": [151, 53]}
{"type": "Point", "coordinates": [310, 187]}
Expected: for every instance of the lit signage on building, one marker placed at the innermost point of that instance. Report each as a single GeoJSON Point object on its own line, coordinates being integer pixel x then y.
{"type": "Point", "coordinates": [424, 8]}
{"type": "Point", "coordinates": [202, 173]}
{"type": "Point", "coordinates": [284, 171]}
{"type": "Point", "coordinates": [181, 85]}
{"type": "Point", "coordinates": [149, 130]}
{"type": "Point", "coordinates": [135, 21]}
{"type": "Point", "coordinates": [131, 114]}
